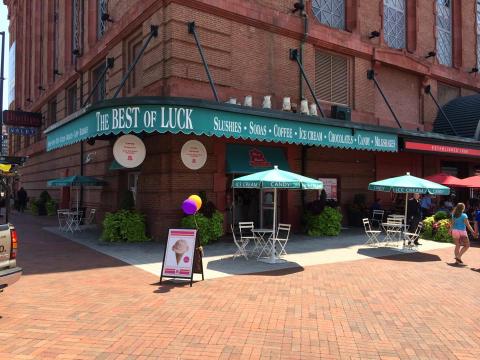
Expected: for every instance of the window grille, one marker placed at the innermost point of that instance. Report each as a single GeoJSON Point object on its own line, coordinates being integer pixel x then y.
{"type": "Point", "coordinates": [77, 15]}
{"type": "Point", "coordinates": [55, 35]}
{"type": "Point", "coordinates": [478, 33]}
{"type": "Point", "coordinates": [330, 12]}
{"type": "Point", "coordinates": [102, 8]}
{"type": "Point", "coordinates": [444, 32]}
{"type": "Point", "coordinates": [394, 23]}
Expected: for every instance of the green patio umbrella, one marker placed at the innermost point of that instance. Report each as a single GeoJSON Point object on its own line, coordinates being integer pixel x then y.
{"type": "Point", "coordinates": [276, 179]}
{"type": "Point", "coordinates": [409, 184]}
{"type": "Point", "coordinates": [76, 180]}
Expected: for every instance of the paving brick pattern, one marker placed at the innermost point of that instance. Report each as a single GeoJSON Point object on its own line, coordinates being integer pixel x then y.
{"type": "Point", "coordinates": [75, 303]}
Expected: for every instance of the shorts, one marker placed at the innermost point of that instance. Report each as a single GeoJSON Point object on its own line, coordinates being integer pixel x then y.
{"type": "Point", "coordinates": [459, 233]}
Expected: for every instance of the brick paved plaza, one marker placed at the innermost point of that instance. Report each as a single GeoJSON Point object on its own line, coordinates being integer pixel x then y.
{"type": "Point", "coordinates": [75, 303]}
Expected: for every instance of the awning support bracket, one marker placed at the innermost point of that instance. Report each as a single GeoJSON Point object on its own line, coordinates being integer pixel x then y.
{"type": "Point", "coordinates": [109, 65]}
{"type": "Point", "coordinates": [371, 76]}
{"type": "Point", "coordinates": [428, 90]}
{"type": "Point", "coordinates": [294, 55]}
{"type": "Point", "coordinates": [192, 30]}
{"type": "Point", "coordinates": [153, 33]}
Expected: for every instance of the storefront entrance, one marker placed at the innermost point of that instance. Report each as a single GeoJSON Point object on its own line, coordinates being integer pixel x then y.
{"type": "Point", "coordinates": [253, 205]}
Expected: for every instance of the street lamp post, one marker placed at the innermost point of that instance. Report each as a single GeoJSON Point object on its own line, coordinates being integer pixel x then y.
{"type": "Point", "coordinates": [2, 33]}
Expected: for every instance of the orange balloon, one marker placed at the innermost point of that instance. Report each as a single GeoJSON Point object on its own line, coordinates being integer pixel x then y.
{"type": "Point", "coordinates": [197, 200]}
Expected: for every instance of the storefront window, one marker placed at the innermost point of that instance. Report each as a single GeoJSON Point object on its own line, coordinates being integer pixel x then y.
{"type": "Point", "coordinates": [330, 12]}
{"type": "Point", "coordinates": [444, 32]}
{"type": "Point", "coordinates": [330, 185]}
{"type": "Point", "coordinates": [394, 23]}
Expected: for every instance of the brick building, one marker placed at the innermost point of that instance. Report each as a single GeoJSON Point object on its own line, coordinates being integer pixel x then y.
{"type": "Point", "coordinates": [61, 51]}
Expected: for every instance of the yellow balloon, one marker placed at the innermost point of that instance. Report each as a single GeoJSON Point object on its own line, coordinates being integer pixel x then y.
{"type": "Point", "coordinates": [197, 200]}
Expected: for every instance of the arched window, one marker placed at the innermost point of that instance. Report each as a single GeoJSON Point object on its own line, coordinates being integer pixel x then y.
{"type": "Point", "coordinates": [444, 32]}
{"type": "Point", "coordinates": [330, 12]}
{"type": "Point", "coordinates": [394, 23]}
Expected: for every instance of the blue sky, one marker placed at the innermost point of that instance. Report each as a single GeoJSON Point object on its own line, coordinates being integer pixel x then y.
{"type": "Point", "coordinates": [4, 27]}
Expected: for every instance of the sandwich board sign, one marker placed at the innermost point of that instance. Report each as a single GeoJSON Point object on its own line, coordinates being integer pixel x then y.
{"type": "Point", "coordinates": [181, 255]}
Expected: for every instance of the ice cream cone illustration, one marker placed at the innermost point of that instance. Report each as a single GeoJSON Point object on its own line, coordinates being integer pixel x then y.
{"type": "Point", "coordinates": [178, 257]}
{"type": "Point", "coordinates": [179, 248]}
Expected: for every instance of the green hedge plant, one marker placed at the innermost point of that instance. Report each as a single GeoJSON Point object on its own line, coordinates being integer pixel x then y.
{"type": "Point", "coordinates": [51, 206]}
{"type": "Point", "coordinates": [210, 229]}
{"type": "Point", "coordinates": [124, 225]}
{"type": "Point", "coordinates": [327, 223]}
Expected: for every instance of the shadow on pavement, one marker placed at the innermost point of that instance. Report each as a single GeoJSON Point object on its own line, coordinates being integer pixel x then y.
{"type": "Point", "coordinates": [395, 256]}
{"type": "Point", "coordinates": [240, 266]}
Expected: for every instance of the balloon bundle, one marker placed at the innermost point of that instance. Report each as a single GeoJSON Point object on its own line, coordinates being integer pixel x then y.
{"type": "Point", "coordinates": [191, 205]}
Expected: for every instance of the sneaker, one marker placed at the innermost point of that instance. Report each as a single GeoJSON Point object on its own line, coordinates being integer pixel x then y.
{"type": "Point", "coordinates": [458, 261]}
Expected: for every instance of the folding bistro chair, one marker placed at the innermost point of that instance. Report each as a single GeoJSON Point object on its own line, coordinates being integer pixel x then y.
{"type": "Point", "coordinates": [91, 217]}
{"type": "Point", "coordinates": [372, 235]}
{"type": "Point", "coordinates": [377, 218]}
{"type": "Point", "coordinates": [241, 245]}
{"type": "Point", "coordinates": [394, 229]}
{"type": "Point", "coordinates": [62, 219]}
{"type": "Point", "coordinates": [410, 237]}
{"type": "Point", "coordinates": [246, 234]}
{"type": "Point", "coordinates": [281, 237]}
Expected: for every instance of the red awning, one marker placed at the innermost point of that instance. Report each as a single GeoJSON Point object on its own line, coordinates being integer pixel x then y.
{"type": "Point", "coordinates": [445, 179]}
{"type": "Point", "coordinates": [471, 182]}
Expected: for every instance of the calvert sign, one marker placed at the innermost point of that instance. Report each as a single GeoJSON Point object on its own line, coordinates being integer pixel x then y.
{"type": "Point", "coordinates": [410, 145]}
{"type": "Point", "coordinates": [213, 122]}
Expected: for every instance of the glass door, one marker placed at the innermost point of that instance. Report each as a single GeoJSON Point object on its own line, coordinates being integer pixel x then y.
{"type": "Point", "coordinates": [266, 206]}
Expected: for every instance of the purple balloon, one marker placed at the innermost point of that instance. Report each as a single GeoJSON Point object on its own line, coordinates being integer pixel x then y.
{"type": "Point", "coordinates": [189, 207]}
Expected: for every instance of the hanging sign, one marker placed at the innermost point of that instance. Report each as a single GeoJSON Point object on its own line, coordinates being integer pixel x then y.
{"type": "Point", "coordinates": [129, 151]}
{"type": "Point", "coordinates": [193, 154]}
{"type": "Point", "coordinates": [181, 258]}
{"type": "Point", "coordinates": [22, 118]}
{"type": "Point", "coordinates": [22, 131]}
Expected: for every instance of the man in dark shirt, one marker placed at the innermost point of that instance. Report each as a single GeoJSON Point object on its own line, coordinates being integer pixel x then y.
{"type": "Point", "coordinates": [414, 214]}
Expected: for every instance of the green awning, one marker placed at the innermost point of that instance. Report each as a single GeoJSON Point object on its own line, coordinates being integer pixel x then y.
{"type": "Point", "coordinates": [246, 159]}
{"type": "Point", "coordinates": [171, 115]}
{"type": "Point", "coordinates": [114, 165]}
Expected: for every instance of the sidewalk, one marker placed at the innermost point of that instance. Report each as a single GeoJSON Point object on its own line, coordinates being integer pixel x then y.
{"type": "Point", "coordinates": [218, 262]}
{"type": "Point", "coordinates": [73, 302]}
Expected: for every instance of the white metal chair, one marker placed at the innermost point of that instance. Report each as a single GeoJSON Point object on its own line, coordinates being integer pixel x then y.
{"type": "Point", "coordinates": [91, 217]}
{"type": "Point", "coordinates": [372, 235]}
{"type": "Point", "coordinates": [394, 229]}
{"type": "Point", "coordinates": [62, 219]}
{"type": "Point", "coordinates": [411, 238]}
{"type": "Point", "coordinates": [377, 217]}
{"type": "Point", "coordinates": [282, 236]}
{"type": "Point", "coordinates": [241, 245]}
{"type": "Point", "coordinates": [246, 234]}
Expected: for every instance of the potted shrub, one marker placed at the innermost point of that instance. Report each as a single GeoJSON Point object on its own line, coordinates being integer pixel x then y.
{"type": "Point", "coordinates": [124, 225]}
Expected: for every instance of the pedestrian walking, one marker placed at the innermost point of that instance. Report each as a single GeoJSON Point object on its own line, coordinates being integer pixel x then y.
{"type": "Point", "coordinates": [22, 199]}
{"type": "Point", "coordinates": [458, 229]}
{"type": "Point", "coordinates": [414, 214]}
